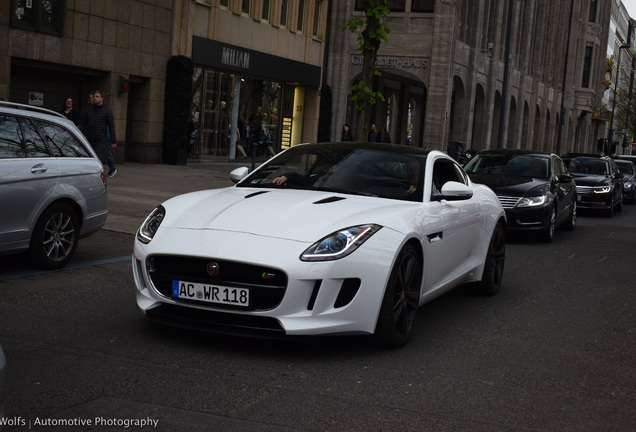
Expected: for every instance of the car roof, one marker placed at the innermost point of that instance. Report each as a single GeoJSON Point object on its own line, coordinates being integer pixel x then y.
{"type": "Point", "coordinates": [394, 148]}
{"type": "Point", "coordinates": [509, 152]}
{"type": "Point", "coordinates": [24, 110]}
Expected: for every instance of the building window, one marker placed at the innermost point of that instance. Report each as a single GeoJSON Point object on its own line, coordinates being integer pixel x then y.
{"type": "Point", "coordinates": [265, 15]}
{"type": "Point", "coordinates": [587, 63]}
{"type": "Point", "coordinates": [301, 15]}
{"type": "Point", "coordinates": [316, 29]}
{"type": "Point", "coordinates": [423, 6]}
{"type": "Point", "coordinates": [225, 3]}
{"type": "Point", "coordinates": [283, 12]}
{"type": "Point", "coordinates": [396, 5]}
{"type": "Point", "coordinates": [593, 5]}
{"type": "Point", "coordinates": [246, 6]}
{"type": "Point", "coordinates": [45, 16]}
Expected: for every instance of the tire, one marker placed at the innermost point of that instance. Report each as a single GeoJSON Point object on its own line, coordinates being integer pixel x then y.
{"type": "Point", "coordinates": [494, 263]}
{"type": "Point", "coordinates": [401, 300]}
{"type": "Point", "coordinates": [570, 224]}
{"type": "Point", "coordinates": [547, 235]}
{"type": "Point", "coordinates": [55, 237]}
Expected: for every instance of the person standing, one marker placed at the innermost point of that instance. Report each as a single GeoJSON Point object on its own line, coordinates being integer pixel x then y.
{"type": "Point", "coordinates": [374, 134]}
{"type": "Point", "coordinates": [98, 126]}
{"type": "Point", "coordinates": [346, 133]}
{"type": "Point", "coordinates": [69, 112]}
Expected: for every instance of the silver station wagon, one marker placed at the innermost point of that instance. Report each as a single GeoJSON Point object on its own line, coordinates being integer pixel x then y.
{"type": "Point", "coordinates": [52, 185]}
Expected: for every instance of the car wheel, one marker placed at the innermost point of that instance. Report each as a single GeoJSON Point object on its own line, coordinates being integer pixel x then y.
{"type": "Point", "coordinates": [619, 206]}
{"type": "Point", "coordinates": [610, 210]}
{"type": "Point", "coordinates": [547, 235]}
{"type": "Point", "coordinates": [401, 300]}
{"type": "Point", "coordinates": [55, 237]}
{"type": "Point", "coordinates": [494, 264]}
{"type": "Point", "coordinates": [571, 222]}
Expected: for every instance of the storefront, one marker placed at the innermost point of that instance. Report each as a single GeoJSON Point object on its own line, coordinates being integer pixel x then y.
{"type": "Point", "coordinates": [246, 101]}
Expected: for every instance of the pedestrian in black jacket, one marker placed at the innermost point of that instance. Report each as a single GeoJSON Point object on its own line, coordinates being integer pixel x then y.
{"type": "Point", "coordinates": [98, 126]}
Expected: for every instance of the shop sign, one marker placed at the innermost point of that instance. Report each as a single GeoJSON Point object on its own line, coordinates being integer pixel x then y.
{"type": "Point", "coordinates": [235, 57]}
{"type": "Point", "coordinates": [36, 98]}
{"type": "Point", "coordinates": [394, 62]}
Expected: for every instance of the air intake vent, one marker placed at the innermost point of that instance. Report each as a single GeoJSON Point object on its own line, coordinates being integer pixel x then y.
{"type": "Point", "coordinates": [329, 200]}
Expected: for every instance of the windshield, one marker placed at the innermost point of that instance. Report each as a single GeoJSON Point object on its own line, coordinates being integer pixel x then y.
{"type": "Point", "coordinates": [587, 165]}
{"type": "Point", "coordinates": [524, 165]}
{"type": "Point", "coordinates": [360, 171]}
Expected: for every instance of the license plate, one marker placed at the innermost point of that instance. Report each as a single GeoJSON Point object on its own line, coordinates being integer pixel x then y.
{"type": "Point", "coordinates": [210, 293]}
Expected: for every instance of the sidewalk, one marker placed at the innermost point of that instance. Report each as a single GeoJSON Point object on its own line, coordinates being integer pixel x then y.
{"type": "Point", "coordinates": [138, 188]}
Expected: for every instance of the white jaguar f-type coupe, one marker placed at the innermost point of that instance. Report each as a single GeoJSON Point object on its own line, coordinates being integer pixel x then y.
{"type": "Point", "coordinates": [322, 239]}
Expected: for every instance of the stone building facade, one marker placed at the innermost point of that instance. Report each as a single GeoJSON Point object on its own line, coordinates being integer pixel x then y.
{"type": "Point", "coordinates": [257, 62]}
{"type": "Point", "coordinates": [51, 50]}
{"type": "Point", "coordinates": [443, 73]}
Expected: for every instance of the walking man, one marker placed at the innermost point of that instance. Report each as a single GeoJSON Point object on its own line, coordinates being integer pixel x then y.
{"type": "Point", "coordinates": [98, 126]}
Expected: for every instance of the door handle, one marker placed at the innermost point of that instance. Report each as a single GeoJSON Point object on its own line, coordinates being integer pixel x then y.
{"type": "Point", "coordinates": [39, 168]}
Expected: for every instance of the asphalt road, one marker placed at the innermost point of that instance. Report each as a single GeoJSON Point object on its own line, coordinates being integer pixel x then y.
{"type": "Point", "coordinates": [553, 351]}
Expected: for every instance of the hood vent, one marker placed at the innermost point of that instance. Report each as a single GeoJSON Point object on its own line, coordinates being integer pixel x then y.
{"type": "Point", "coordinates": [329, 200]}
{"type": "Point", "coordinates": [255, 194]}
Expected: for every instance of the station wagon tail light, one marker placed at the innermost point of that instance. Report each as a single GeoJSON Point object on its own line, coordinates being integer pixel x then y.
{"type": "Point", "coordinates": [149, 228]}
{"type": "Point", "coordinates": [339, 244]}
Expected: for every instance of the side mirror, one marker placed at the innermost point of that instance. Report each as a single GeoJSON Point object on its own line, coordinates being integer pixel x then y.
{"type": "Point", "coordinates": [239, 174]}
{"type": "Point", "coordinates": [455, 191]}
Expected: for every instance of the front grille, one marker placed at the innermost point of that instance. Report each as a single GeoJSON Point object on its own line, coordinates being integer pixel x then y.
{"type": "Point", "coordinates": [508, 202]}
{"type": "Point", "coordinates": [584, 190]}
{"type": "Point", "coordinates": [216, 322]}
{"type": "Point", "coordinates": [267, 285]}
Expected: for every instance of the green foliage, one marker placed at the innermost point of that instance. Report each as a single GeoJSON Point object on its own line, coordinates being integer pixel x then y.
{"type": "Point", "coordinates": [177, 101]}
{"type": "Point", "coordinates": [364, 94]}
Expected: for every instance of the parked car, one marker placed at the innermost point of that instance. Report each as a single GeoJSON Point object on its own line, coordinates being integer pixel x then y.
{"type": "Point", "coordinates": [599, 183]}
{"type": "Point", "coordinates": [535, 189]}
{"type": "Point", "coordinates": [52, 182]}
{"type": "Point", "coordinates": [628, 169]}
{"type": "Point", "coordinates": [329, 238]}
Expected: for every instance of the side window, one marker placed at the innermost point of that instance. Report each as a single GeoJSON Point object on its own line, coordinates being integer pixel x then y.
{"type": "Point", "coordinates": [11, 143]}
{"type": "Point", "coordinates": [35, 146]}
{"type": "Point", "coordinates": [63, 142]}
{"type": "Point", "coordinates": [444, 171]}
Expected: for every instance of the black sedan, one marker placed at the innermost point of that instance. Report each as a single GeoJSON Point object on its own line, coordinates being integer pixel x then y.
{"type": "Point", "coordinates": [535, 189]}
{"type": "Point", "coordinates": [628, 169]}
{"type": "Point", "coordinates": [599, 183]}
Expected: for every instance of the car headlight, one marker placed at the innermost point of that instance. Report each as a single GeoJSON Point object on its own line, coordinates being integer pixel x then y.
{"type": "Point", "coordinates": [601, 189]}
{"type": "Point", "coordinates": [339, 244]}
{"type": "Point", "coordinates": [532, 201]}
{"type": "Point", "coordinates": [149, 228]}
{"type": "Point", "coordinates": [627, 185]}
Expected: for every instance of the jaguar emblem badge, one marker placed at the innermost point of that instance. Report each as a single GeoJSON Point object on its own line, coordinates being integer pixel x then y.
{"type": "Point", "coordinates": [213, 269]}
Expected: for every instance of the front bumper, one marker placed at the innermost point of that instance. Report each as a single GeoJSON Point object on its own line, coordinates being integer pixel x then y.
{"type": "Point", "coordinates": [330, 297]}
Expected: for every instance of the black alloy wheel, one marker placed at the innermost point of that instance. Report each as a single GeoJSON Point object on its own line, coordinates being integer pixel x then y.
{"type": "Point", "coordinates": [571, 222]}
{"type": "Point", "coordinates": [547, 235]}
{"type": "Point", "coordinates": [401, 300]}
{"type": "Point", "coordinates": [55, 237]}
{"type": "Point", "coordinates": [494, 263]}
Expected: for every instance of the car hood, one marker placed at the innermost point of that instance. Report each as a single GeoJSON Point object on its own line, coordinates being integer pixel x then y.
{"type": "Point", "coordinates": [591, 180]}
{"type": "Point", "coordinates": [298, 215]}
{"type": "Point", "coordinates": [510, 185]}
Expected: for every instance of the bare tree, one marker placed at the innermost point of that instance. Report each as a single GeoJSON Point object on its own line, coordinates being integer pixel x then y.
{"type": "Point", "coordinates": [373, 33]}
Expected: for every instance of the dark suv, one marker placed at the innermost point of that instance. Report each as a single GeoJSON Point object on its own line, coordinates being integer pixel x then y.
{"type": "Point", "coordinates": [52, 186]}
{"type": "Point", "coordinates": [534, 188]}
{"type": "Point", "coordinates": [599, 182]}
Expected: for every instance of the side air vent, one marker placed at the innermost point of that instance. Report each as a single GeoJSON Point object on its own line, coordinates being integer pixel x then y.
{"type": "Point", "coordinates": [329, 200]}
